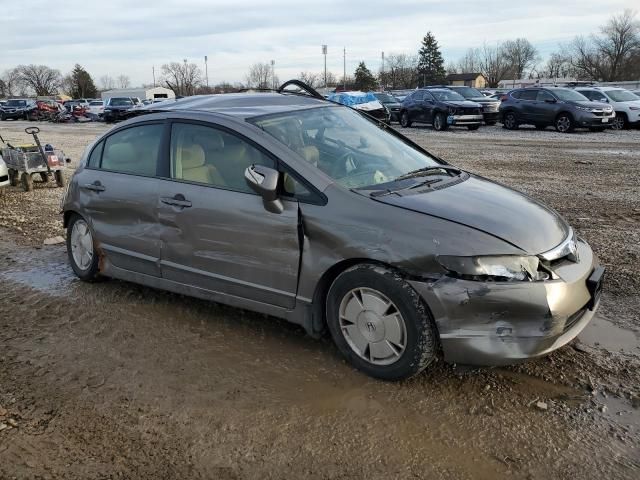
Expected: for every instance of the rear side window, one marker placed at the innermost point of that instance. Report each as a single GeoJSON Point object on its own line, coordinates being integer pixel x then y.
{"type": "Point", "coordinates": [96, 155]}
{"type": "Point", "coordinates": [213, 157]}
{"type": "Point", "coordinates": [543, 96]}
{"type": "Point", "coordinates": [418, 96]}
{"type": "Point", "coordinates": [133, 150]}
{"type": "Point", "coordinates": [528, 94]}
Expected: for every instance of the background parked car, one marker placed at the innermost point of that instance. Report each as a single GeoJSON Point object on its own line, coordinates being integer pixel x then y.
{"type": "Point", "coordinates": [18, 108]}
{"type": "Point", "coordinates": [363, 101]}
{"type": "Point", "coordinates": [490, 106]}
{"type": "Point", "coordinates": [391, 103]}
{"type": "Point", "coordinates": [96, 107]}
{"type": "Point", "coordinates": [624, 103]}
{"type": "Point", "coordinates": [441, 107]}
{"type": "Point", "coordinates": [402, 94]}
{"type": "Point", "coordinates": [118, 108]}
{"type": "Point", "coordinates": [563, 108]}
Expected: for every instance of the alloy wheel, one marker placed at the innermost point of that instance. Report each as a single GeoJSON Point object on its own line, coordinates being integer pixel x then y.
{"type": "Point", "coordinates": [618, 123]}
{"type": "Point", "coordinates": [82, 245]}
{"type": "Point", "coordinates": [373, 326]}
{"type": "Point", "coordinates": [510, 121]}
{"type": "Point", "coordinates": [563, 124]}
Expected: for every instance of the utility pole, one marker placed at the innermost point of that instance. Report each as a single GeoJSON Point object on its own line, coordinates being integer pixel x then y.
{"type": "Point", "coordinates": [344, 68]}
{"type": "Point", "coordinates": [273, 74]}
{"type": "Point", "coordinates": [324, 52]}
{"type": "Point", "coordinates": [382, 73]}
{"type": "Point", "coordinates": [153, 72]}
{"type": "Point", "coordinates": [206, 72]}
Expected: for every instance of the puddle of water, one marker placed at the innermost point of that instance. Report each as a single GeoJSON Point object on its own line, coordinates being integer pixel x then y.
{"type": "Point", "coordinates": [604, 334]}
{"type": "Point", "coordinates": [55, 279]}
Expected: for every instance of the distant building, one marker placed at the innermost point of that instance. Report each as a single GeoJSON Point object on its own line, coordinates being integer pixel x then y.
{"type": "Point", "coordinates": [475, 80]}
{"type": "Point", "coordinates": [151, 93]}
{"type": "Point", "coordinates": [532, 82]}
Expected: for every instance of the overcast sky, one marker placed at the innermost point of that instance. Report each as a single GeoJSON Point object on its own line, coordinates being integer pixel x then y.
{"type": "Point", "coordinates": [130, 36]}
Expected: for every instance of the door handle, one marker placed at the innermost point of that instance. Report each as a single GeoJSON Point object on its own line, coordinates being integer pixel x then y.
{"type": "Point", "coordinates": [95, 186]}
{"type": "Point", "coordinates": [176, 201]}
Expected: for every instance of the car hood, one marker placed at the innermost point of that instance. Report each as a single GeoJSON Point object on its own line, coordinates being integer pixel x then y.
{"type": "Point", "coordinates": [589, 104]}
{"type": "Point", "coordinates": [461, 103]}
{"type": "Point", "coordinates": [483, 100]}
{"type": "Point", "coordinates": [491, 208]}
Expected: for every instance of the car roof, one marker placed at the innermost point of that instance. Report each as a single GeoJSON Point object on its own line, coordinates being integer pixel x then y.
{"type": "Point", "coordinates": [243, 105]}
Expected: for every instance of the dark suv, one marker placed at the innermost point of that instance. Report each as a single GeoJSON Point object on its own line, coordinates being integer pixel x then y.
{"type": "Point", "coordinates": [490, 106]}
{"type": "Point", "coordinates": [440, 107]}
{"type": "Point", "coordinates": [563, 108]}
{"type": "Point", "coordinates": [17, 108]}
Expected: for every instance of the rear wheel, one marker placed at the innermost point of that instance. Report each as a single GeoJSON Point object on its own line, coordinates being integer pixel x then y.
{"type": "Point", "coordinates": [81, 249]}
{"type": "Point", "coordinates": [379, 323]}
{"type": "Point", "coordinates": [405, 121]}
{"type": "Point", "coordinates": [509, 121]}
{"type": "Point", "coordinates": [27, 182]}
{"type": "Point", "coordinates": [440, 122]}
{"type": "Point", "coordinates": [564, 123]}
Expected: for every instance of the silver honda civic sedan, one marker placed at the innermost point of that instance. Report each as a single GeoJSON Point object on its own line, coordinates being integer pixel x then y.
{"type": "Point", "coordinates": [299, 208]}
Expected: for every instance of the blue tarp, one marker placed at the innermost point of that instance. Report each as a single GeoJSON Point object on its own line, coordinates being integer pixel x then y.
{"type": "Point", "coordinates": [352, 99]}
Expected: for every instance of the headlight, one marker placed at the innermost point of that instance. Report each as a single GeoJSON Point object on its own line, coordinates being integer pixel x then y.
{"type": "Point", "coordinates": [586, 109]}
{"type": "Point", "coordinates": [499, 268]}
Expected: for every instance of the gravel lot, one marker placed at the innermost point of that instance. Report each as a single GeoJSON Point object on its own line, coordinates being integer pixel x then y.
{"type": "Point", "coordinates": [113, 380]}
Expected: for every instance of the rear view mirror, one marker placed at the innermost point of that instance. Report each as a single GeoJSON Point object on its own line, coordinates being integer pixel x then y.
{"type": "Point", "coordinates": [264, 181]}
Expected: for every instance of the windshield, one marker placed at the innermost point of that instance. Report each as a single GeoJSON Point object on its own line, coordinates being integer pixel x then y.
{"type": "Point", "coordinates": [346, 146]}
{"type": "Point", "coordinates": [621, 95]}
{"type": "Point", "coordinates": [569, 95]}
{"type": "Point", "coordinates": [468, 92]}
{"type": "Point", "coordinates": [16, 103]}
{"type": "Point", "coordinates": [447, 95]}
{"type": "Point", "coordinates": [385, 98]}
{"type": "Point", "coordinates": [120, 102]}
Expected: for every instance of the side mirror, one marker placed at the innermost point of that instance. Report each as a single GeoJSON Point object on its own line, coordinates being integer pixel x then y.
{"type": "Point", "coordinates": [264, 181]}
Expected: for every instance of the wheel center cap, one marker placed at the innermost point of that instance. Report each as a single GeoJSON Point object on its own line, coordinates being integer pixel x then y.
{"type": "Point", "coordinates": [371, 326]}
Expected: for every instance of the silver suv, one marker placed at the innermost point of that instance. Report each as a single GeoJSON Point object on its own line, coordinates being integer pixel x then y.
{"type": "Point", "coordinates": [625, 103]}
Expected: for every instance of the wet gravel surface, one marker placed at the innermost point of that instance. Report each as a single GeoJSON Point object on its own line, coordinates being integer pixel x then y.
{"type": "Point", "coordinates": [113, 380]}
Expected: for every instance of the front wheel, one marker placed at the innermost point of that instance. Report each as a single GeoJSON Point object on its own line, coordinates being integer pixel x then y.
{"type": "Point", "coordinates": [439, 122]}
{"type": "Point", "coordinates": [379, 323]}
{"type": "Point", "coordinates": [405, 121]}
{"type": "Point", "coordinates": [619, 122]}
{"type": "Point", "coordinates": [564, 123]}
{"type": "Point", "coordinates": [81, 249]}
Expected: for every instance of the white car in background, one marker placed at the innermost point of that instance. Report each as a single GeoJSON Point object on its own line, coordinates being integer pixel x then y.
{"type": "Point", "coordinates": [4, 176]}
{"type": "Point", "coordinates": [626, 104]}
{"type": "Point", "coordinates": [96, 107]}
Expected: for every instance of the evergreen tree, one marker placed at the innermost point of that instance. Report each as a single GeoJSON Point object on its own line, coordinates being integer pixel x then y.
{"type": "Point", "coordinates": [81, 84]}
{"type": "Point", "coordinates": [364, 79]}
{"type": "Point", "coordinates": [430, 62]}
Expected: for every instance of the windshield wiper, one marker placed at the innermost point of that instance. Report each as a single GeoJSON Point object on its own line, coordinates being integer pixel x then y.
{"type": "Point", "coordinates": [421, 172]}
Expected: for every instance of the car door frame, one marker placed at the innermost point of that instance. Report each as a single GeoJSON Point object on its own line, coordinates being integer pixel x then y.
{"type": "Point", "coordinates": [428, 106]}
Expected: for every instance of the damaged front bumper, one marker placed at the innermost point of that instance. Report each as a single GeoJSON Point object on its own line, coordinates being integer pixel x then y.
{"type": "Point", "coordinates": [499, 323]}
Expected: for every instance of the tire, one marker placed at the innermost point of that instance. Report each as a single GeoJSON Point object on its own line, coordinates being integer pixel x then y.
{"type": "Point", "coordinates": [405, 121]}
{"type": "Point", "coordinates": [27, 182]}
{"type": "Point", "coordinates": [619, 122]}
{"type": "Point", "coordinates": [405, 343]}
{"type": "Point", "coordinates": [2, 117]}
{"type": "Point", "coordinates": [59, 178]}
{"type": "Point", "coordinates": [541, 127]}
{"type": "Point", "coordinates": [440, 122]}
{"type": "Point", "coordinates": [564, 123]}
{"type": "Point", "coordinates": [510, 121]}
{"type": "Point", "coordinates": [81, 249]}
{"type": "Point", "coordinates": [473, 127]}
{"type": "Point", "coordinates": [44, 177]}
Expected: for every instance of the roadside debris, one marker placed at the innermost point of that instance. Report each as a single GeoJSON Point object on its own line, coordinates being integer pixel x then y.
{"type": "Point", "coordinates": [542, 406]}
{"type": "Point", "coordinates": [54, 240]}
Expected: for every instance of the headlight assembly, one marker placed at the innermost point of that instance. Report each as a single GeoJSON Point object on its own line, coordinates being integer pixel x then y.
{"type": "Point", "coordinates": [499, 268]}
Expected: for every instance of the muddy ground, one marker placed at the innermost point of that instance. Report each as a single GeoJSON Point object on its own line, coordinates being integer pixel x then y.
{"type": "Point", "coordinates": [113, 380]}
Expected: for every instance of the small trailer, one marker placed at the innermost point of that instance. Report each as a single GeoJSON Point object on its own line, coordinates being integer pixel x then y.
{"type": "Point", "coordinates": [24, 161]}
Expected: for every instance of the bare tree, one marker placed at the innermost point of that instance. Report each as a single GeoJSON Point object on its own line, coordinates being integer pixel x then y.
{"type": "Point", "coordinates": [41, 79]}
{"type": "Point", "coordinates": [400, 71]}
{"type": "Point", "coordinates": [107, 82]}
{"type": "Point", "coordinates": [9, 83]}
{"type": "Point", "coordinates": [609, 56]}
{"type": "Point", "coordinates": [493, 64]}
{"type": "Point", "coordinates": [259, 76]}
{"type": "Point", "coordinates": [521, 56]}
{"type": "Point", "coordinates": [183, 78]}
{"type": "Point", "coordinates": [451, 68]}
{"type": "Point", "coordinates": [470, 62]}
{"type": "Point", "coordinates": [314, 80]}
{"type": "Point", "coordinates": [123, 81]}
{"type": "Point", "coordinates": [558, 66]}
